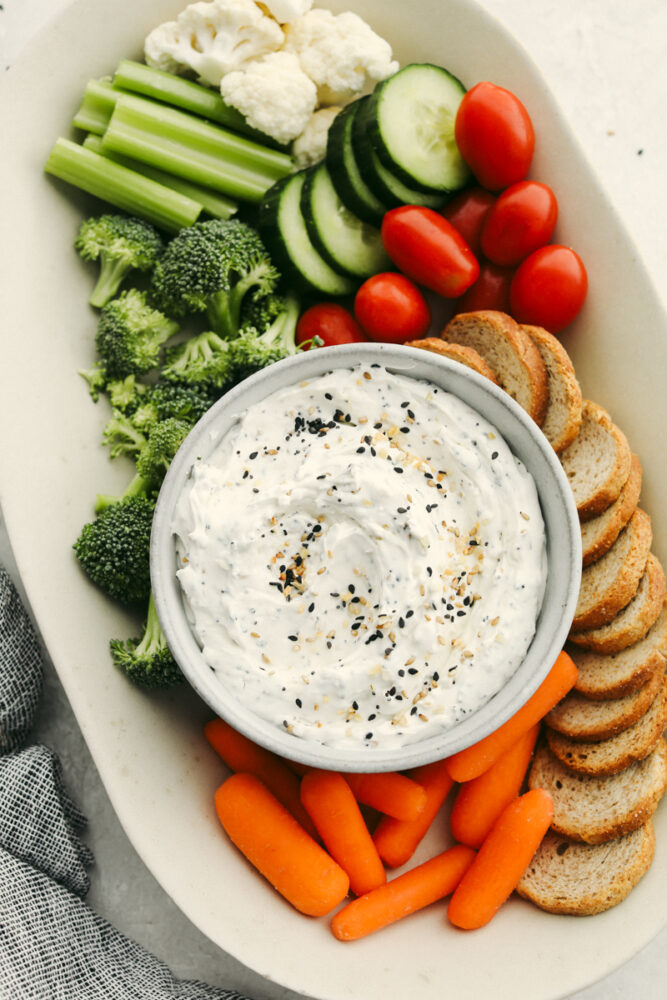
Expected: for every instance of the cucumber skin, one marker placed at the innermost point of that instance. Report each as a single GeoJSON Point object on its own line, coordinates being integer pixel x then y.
{"type": "Point", "coordinates": [364, 151]}
{"type": "Point", "coordinates": [335, 160]}
{"type": "Point", "coordinates": [370, 123]}
{"type": "Point", "coordinates": [269, 230]}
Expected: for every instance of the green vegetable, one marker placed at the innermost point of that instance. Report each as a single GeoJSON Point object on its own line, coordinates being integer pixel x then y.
{"type": "Point", "coordinates": [125, 189]}
{"type": "Point", "coordinates": [120, 244]}
{"type": "Point", "coordinates": [153, 453]}
{"type": "Point", "coordinates": [253, 349]}
{"type": "Point", "coordinates": [113, 549]}
{"type": "Point", "coordinates": [147, 660]}
{"type": "Point", "coordinates": [210, 268]}
{"type": "Point", "coordinates": [130, 335]}
{"type": "Point", "coordinates": [204, 363]}
{"type": "Point", "coordinates": [171, 400]}
{"type": "Point", "coordinates": [94, 113]}
{"type": "Point", "coordinates": [213, 203]}
{"type": "Point", "coordinates": [189, 147]}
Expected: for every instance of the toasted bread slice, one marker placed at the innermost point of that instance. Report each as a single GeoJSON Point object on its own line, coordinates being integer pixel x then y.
{"type": "Point", "coordinates": [613, 675]}
{"type": "Point", "coordinates": [562, 419]}
{"type": "Point", "coordinates": [597, 809]}
{"type": "Point", "coordinates": [582, 719]}
{"type": "Point", "coordinates": [634, 620]}
{"type": "Point", "coordinates": [610, 583]}
{"type": "Point", "coordinates": [606, 757]}
{"type": "Point", "coordinates": [510, 353]}
{"type": "Point", "coordinates": [467, 356]}
{"type": "Point", "coordinates": [599, 534]}
{"type": "Point", "coordinates": [597, 463]}
{"type": "Point", "coordinates": [582, 879]}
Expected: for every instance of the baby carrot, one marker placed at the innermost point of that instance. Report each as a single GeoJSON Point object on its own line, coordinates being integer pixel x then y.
{"type": "Point", "coordinates": [397, 839]}
{"type": "Point", "coordinates": [474, 760]}
{"type": "Point", "coordinates": [501, 860]}
{"type": "Point", "coordinates": [241, 754]}
{"type": "Point", "coordinates": [409, 892]}
{"type": "Point", "coordinates": [334, 810]}
{"type": "Point", "coordinates": [480, 802]}
{"type": "Point", "coordinates": [272, 840]}
{"type": "Point", "coordinates": [389, 792]}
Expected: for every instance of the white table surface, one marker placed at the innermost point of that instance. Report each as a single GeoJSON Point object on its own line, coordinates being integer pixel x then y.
{"type": "Point", "coordinates": [606, 63]}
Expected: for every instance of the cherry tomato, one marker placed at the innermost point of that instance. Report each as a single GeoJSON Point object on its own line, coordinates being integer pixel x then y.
{"type": "Point", "coordinates": [467, 212]}
{"type": "Point", "coordinates": [495, 135]}
{"type": "Point", "coordinates": [391, 308]}
{"type": "Point", "coordinates": [427, 248]}
{"type": "Point", "coordinates": [490, 291]}
{"type": "Point", "coordinates": [331, 323]}
{"type": "Point", "coordinates": [522, 220]}
{"type": "Point", "coordinates": [549, 288]}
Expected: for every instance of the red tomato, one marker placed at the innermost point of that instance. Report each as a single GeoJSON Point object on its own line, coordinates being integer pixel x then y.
{"type": "Point", "coordinates": [495, 135]}
{"type": "Point", "coordinates": [467, 212]}
{"type": "Point", "coordinates": [390, 307]}
{"type": "Point", "coordinates": [490, 291]}
{"type": "Point", "coordinates": [522, 220]}
{"type": "Point", "coordinates": [549, 288]}
{"type": "Point", "coordinates": [332, 323]}
{"type": "Point", "coordinates": [427, 248]}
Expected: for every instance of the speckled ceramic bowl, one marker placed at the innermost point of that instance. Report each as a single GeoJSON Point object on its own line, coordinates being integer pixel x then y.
{"type": "Point", "coordinates": [563, 554]}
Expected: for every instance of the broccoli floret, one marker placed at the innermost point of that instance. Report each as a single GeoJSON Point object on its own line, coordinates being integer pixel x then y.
{"type": "Point", "coordinates": [122, 436]}
{"type": "Point", "coordinates": [113, 549]}
{"type": "Point", "coordinates": [164, 440]}
{"type": "Point", "coordinates": [168, 399]}
{"type": "Point", "coordinates": [204, 362]}
{"type": "Point", "coordinates": [147, 660]}
{"type": "Point", "coordinates": [209, 268]}
{"type": "Point", "coordinates": [259, 311]}
{"type": "Point", "coordinates": [96, 377]}
{"type": "Point", "coordinates": [126, 394]}
{"type": "Point", "coordinates": [121, 244]}
{"type": "Point", "coordinates": [130, 334]}
{"type": "Point", "coordinates": [252, 350]}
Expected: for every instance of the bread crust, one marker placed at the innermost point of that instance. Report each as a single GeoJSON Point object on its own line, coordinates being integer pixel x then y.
{"type": "Point", "coordinates": [595, 491]}
{"type": "Point", "coordinates": [562, 418]}
{"type": "Point", "coordinates": [633, 621]}
{"type": "Point", "coordinates": [578, 879]}
{"type": "Point", "coordinates": [467, 356]}
{"type": "Point", "coordinates": [599, 534]}
{"type": "Point", "coordinates": [610, 583]}
{"type": "Point", "coordinates": [509, 352]}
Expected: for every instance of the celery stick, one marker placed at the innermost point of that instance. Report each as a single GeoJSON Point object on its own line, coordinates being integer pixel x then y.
{"type": "Point", "coordinates": [185, 94]}
{"type": "Point", "coordinates": [99, 100]}
{"type": "Point", "coordinates": [189, 147]}
{"type": "Point", "coordinates": [215, 204]}
{"type": "Point", "coordinates": [126, 189]}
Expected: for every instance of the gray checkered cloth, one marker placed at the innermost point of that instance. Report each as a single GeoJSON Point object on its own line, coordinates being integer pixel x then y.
{"type": "Point", "coordinates": [52, 945]}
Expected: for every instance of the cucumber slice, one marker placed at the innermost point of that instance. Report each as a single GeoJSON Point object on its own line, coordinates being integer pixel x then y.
{"type": "Point", "coordinates": [384, 183]}
{"type": "Point", "coordinates": [347, 244]}
{"type": "Point", "coordinates": [346, 176]}
{"type": "Point", "coordinates": [284, 231]}
{"type": "Point", "coordinates": [410, 121]}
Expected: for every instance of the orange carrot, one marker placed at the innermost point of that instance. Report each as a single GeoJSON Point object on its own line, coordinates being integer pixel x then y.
{"type": "Point", "coordinates": [398, 839]}
{"type": "Point", "coordinates": [389, 792]}
{"type": "Point", "coordinates": [480, 802]}
{"type": "Point", "coordinates": [409, 892]}
{"type": "Point", "coordinates": [333, 809]}
{"type": "Point", "coordinates": [241, 754]}
{"type": "Point", "coordinates": [272, 840]}
{"type": "Point", "coordinates": [474, 760]}
{"type": "Point", "coordinates": [501, 860]}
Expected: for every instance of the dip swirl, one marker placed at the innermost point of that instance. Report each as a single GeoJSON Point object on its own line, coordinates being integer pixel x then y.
{"type": "Point", "coordinates": [363, 559]}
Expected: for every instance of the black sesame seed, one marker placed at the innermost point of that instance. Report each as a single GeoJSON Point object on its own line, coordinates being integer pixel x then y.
{"type": "Point", "coordinates": [293, 638]}
{"type": "Point", "coordinates": [298, 702]}
{"type": "Point", "coordinates": [253, 454]}
{"type": "Point", "coordinates": [397, 468]}
{"type": "Point", "coordinates": [369, 736]}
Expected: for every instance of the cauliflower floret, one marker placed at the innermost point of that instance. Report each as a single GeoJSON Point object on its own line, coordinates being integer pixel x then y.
{"type": "Point", "coordinates": [340, 53]}
{"type": "Point", "coordinates": [213, 37]}
{"type": "Point", "coordinates": [286, 11]}
{"type": "Point", "coordinates": [274, 95]}
{"type": "Point", "coordinates": [310, 147]}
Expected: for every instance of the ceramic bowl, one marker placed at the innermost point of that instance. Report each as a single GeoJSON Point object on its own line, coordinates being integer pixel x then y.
{"type": "Point", "coordinates": [563, 555]}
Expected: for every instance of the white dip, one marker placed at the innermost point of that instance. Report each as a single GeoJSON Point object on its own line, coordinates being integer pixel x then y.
{"type": "Point", "coordinates": [363, 559]}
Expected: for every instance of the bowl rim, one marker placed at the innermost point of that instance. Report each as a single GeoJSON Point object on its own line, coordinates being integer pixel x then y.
{"type": "Point", "coordinates": [563, 559]}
